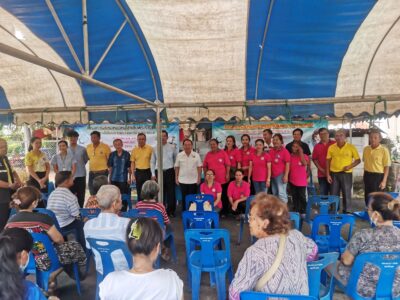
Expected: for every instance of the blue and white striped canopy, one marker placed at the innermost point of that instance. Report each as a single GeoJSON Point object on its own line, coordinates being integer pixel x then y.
{"type": "Point", "coordinates": [196, 51]}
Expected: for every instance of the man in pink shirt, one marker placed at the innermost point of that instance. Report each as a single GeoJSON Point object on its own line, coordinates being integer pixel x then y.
{"type": "Point", "coordinates": [319, 160]}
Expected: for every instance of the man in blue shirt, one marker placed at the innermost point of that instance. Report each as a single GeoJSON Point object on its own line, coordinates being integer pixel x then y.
{"type": "Point", "coordinates": [119, 166]}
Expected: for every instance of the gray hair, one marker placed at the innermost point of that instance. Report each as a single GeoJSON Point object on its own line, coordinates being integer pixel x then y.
{"type": "Point", "coordinates": [150, 190]}
{"type": "Point", "coordinates": [107, 195]}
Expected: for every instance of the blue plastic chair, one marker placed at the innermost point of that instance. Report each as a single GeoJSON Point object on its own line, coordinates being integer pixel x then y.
{"type": "Point", "coordinates": [247, 295]}
{"type": "Point", "coordinates": [244, 218]}
{"type": "Point", "coordinates": [200, 220]}
{"type": "Point", "coordinates": [363, 215]}
{"type": "Point", "coordinates": [319, 283]}
{"type": "Point", "coordinates": [89, 213]}
{"type": "Point", "coordinates": [387, 262]}
{"type": "Point", "coordinates": [295, 218]}
{"type": "Point", "coordinates": [311, 190]}
{"type": "Point", "coordinates": [208, 258]}
{"type": "Point", "coordinates": [51, 214]}
{"type": "Point", "coordinates": [324, 204]}
{"type": "Point", "coordinates": [105, 248]}
{"type": "Point", "coordinates": [394, 194]}
{"type": "Point", "coordinates": [127, 198]}
{"type": "Point", "coordinates": [50, 189]}
{"type": "Point", "coordinates": [42, 277]}
{"type": "Point", "coordinates": [199, 199]}
{"type": "Point", "coordinates": [332, 241]}
{"type": "Point", "coordinates": [155, 214]}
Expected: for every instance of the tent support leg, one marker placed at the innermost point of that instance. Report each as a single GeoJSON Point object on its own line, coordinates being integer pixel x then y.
{"type": "Point", "coordinates": [159, 157]}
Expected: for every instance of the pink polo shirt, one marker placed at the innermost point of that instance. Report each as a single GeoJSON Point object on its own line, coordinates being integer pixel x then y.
{"type": "Point", "coordinates": [217, 161]}
{"type": "Point", "coordinates": [319, 154]}
{"type": "Point", "coordinates": [213, 190]}
{"type": "Point", "coordinates": [237, 192]}
{"type": "Point", "coordinates": [234, 156]}
{"type": "Point", "coordinates": [298, 172]}
{"type": "Point", "coordinates": [246, 158]}
{"type": "Point", "coordinates": [260, 170]}
{"type": "Point", "coordinates": [278, 160]}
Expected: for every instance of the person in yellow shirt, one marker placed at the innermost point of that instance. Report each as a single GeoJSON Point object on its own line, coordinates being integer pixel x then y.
{"type": "Point", "coordinates": [38, 165]}
{"type": "Point", "coordinates": [140, 163]}
{"type": "Point", "coordinates": [376, 160]}
{"type": "Point", "coordinates": [98, 154]}
{"type": "Point", "coordinates": [341, 158]}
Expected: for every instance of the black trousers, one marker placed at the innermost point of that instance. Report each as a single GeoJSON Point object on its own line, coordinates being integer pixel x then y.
{"type": "Point", "coordinates": [4, 214]}
{"type": "Point", "coordinates": [123, 186]}
{"type": "Point", "coordinates": [32, 182]}
{"type": "Point", "coordinates": [371, 183]}
{"type": "Point", "coordinates": [76, 227]}
{"type": "Point", "coordinates": [298, 198]}
{"type": "Point", "coordinates": [141, 175]}
{"type": "Point", "coordinates": [169, 198]}
{"type": "Point", "coordinates": [187, 189]}
{"type": "Point", "coordinates": [225, 199]}
{"type": "Point", "coordinates": [79, 189]}
{"type": "Point", "coordinates": [241, 208]}
{"type": "Point", "coordinates": [92, 176]}
{"type": "Point", "coordinates": [342, 182]}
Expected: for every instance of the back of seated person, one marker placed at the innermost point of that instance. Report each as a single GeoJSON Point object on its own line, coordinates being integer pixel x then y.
{"type": "Point", "coordinates": [15, 245]}
{"type": "Point", "coordinates": [384, 237]}
{"type": "Point", "coordinates": [144, 237]}
{"type": "Point", "coordinates": [98, 182]}
{"type": "Point", "coordinates": [108, 225]}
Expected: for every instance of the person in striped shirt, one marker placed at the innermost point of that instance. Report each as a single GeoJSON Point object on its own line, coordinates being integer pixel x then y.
{"type": "Point", "coordinates": [149, 195]}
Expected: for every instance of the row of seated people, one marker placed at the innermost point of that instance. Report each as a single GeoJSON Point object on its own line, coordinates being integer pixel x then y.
{"type": "Point", "coordinates": [269, 220]}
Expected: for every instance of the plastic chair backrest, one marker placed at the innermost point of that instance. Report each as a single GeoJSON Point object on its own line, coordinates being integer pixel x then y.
{"type": "Point", "coordinates": [247, 295]}
{"type": "Point", "coordinates": [89, 213]}
{"type": "Point", "coordinates": [48, 245]}
{"type": "Point", "coordinates": [394, 194]}
{"type": "Point", "coordinates": [387, 262]}
{"type": "Point", "coordinates": [295, 218]}
{"type": "Point", "coordinates": [335, 224]}
{"type": "Point", "coordinates": [324, 203]}
{"type": "Point", "coordinates": [105, 248]}
{"type": "Point", "coordinates": [50, 213]}
{"type": "Point", "coordinates": [200, 220]}
{"type": "Point", "coordinates": [199, 199]}
{"type": "Point", "coordinates": [208, 239]}
{"type": "Point", "coordinates": [314, 270]}
{"type": "Point", "coordinates": [145, 213]}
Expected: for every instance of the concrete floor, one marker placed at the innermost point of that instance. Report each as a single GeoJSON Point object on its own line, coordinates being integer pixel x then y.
{"type": "Point", "coordinates": [66, 287]}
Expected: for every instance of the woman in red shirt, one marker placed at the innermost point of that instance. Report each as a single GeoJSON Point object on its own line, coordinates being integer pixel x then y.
{"type": "Point", "coordinates": [234, 155]}
{"type": "Point", "coordinates": [280, 165]}
{"type": "Point", "coordinates": [246, 152]}
{"type": "Point", "coordinates": [298, 177]}
{"type": "Point", "coordinates": [212, 187]}
{"type": "Point", "coordinates": [238, 192]}
{"type": "Point", "coordinates": [260, 169]}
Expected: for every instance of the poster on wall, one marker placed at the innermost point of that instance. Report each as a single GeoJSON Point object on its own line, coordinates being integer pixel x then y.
{"type": "Point", "coordinates": [255, 130]}
{"type": "Point", "coordinates": [127, 133]}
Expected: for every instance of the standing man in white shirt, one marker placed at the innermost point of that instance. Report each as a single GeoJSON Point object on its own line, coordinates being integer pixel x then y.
{"type": "Point", "coordinates": [169, 157]}
{"type": "Point", "coordinates": [188, 170]}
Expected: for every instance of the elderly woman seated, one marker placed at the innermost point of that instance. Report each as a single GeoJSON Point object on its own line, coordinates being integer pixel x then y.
{"type": "Point", "coordinates": [277, 261]}
{"type": "Point", "coordinates": [384, 237]}
{"type": "Point", "coordinates": [143, 237]}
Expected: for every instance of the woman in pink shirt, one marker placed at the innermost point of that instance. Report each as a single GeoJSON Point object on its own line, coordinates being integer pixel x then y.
{"type": "Point", "coordinates": [260, 169]}
{"type": "Point", "coordinates": [234, 155]}
{"type": "Point", "coordinates": [238, 192]}
{"type": "Point", "coordinates": [212, 187]}
{"type": "Point", "coordinates": [246, 152]}
{"type": "Point", "coordinates": [280, 165]}
{"type": "Point", "coordinates": [298, 177]}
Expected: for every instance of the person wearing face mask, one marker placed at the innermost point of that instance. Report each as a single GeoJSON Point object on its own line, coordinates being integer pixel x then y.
{"type": "Point", "coordinates": [9, 181]}
{"type": "Point", "coordinates": [15, 245]}
{"type": "Point", "coordinates": [377, 162]}
{"type": "Point", "coordinates": [384, 237]}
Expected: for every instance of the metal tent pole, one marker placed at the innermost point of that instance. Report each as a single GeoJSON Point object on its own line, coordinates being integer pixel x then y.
{"type": "Point", "coordinates": [52, 66]}
{"type": "Point", "coordinates": [159, 150]}
{"type": "Point", "coordinates": [85, 36]}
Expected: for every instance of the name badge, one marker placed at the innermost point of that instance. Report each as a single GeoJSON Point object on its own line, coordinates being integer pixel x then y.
{"type": "Point", "coordinates": [230, 157]}
{"type": "Point", "coordinates": [220, 160]}
{"type": "Point", "coordinates": [64, 169]}
{"type": "Point", "coordinates": [247, 152]}
{"type": "Point", "coordinates": [276, 160]}
{"type": "Point", "coordinates": [213, 190]}
{"type": "Point", "coordinates": [262, 157]}
{"type": "Point", "coordinates": [300, 163]}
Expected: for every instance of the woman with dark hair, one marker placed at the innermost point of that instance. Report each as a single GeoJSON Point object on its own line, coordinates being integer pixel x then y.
{"type": "Point", "coordinates": [212, 187]}
{"type": "Point", "coordinates": [246, 152]}
{"type": "Point", "coordinates": [15, 245]}
{"type": "Point", "coordinates": [37, 165]}
{"type": "Point", "coordinates": [9, 181]}
{"type": "Point", "coordinates": [280, 166]}
{"type": "Point", "coordinates": [143, 237]}
{"type": "Point", "coordinates": [64, 160]}
{"type": "Point", "coordinates": [238, 192]}
{"type": "Point", "coordinates": [298, 177]}
{"type": "Point", "coordinates": [234, 155]}
{"type": "Point", "coordinates": [260, 169]}
{"type": "Point", "coordinates": [384, 237]}
{"type": "Point", "coordinates": [270, 223]}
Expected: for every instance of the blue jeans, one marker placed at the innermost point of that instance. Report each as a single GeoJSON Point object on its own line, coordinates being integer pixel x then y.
{"type": "Point", "coordinates": [324, 186]}
{"type": "Point", "coordinates": [279, 188]}
{"type": "Point", "coordinates": [259, 186]}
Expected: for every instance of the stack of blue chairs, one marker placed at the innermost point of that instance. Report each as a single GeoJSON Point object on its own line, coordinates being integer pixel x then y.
{"type": "Point", "coordinates": [324, 204]}
{"type": "Point", "coordinates": [200, 220]}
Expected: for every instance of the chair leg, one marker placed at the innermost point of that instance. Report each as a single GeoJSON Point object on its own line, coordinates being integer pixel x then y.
{"type": "Point", "coordinates": [196, 278]}
{"type": "Point", "coordinates": [77, 280]}
{"type": "Point", "coordinates": [221, 291]}
{"type": "Point", "coordinates": [240, 231]}
{"type": "Point", "coordinates": [212, 279]}
{"type": "Point", "coordinates": [230, 274]}
{"type": "Point", "coordinates": [173, 248]}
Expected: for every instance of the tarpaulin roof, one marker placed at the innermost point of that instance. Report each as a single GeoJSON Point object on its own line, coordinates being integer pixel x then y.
{"type": "Point", "coordinates": [200, 52]}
